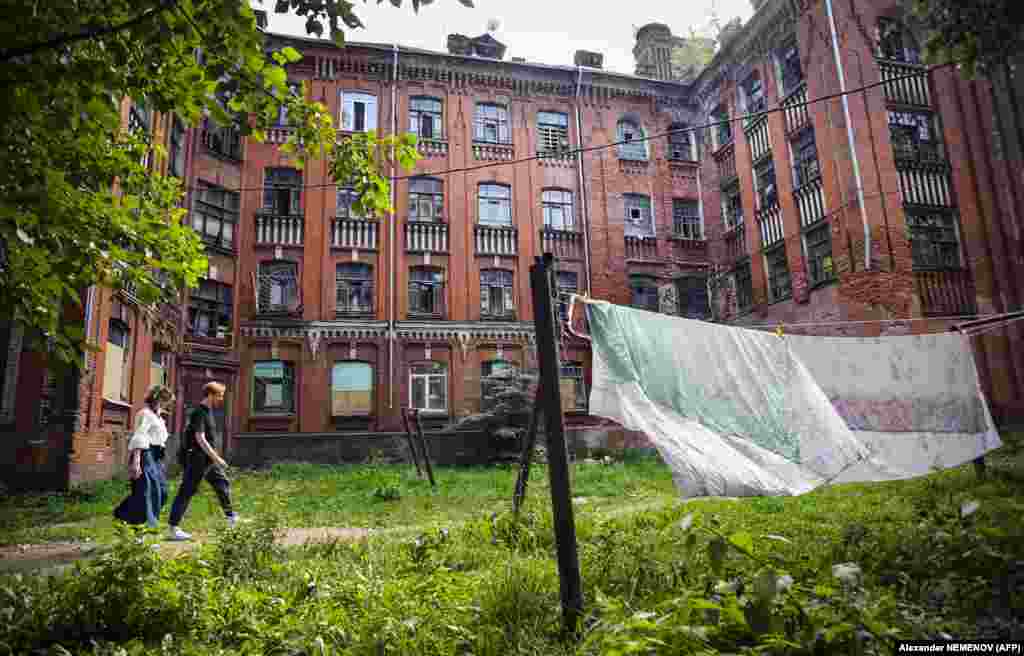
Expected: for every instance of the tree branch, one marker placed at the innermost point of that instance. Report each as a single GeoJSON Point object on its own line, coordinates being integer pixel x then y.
{"type": "Point", "coordinates": [65, 39]}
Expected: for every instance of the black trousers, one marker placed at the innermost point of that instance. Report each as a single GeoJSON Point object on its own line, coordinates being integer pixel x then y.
{"type": "Point", "coordinates": [198, 468]}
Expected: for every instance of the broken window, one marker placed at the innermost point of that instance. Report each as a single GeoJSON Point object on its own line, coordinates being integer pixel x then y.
{"type": "Point", "coordinates": [895, 43]}
{"type": "Point", "coordinates": [278, 287]}
{"type": "Point", "coordinates": [552, 132]}
{"type": "Point", "coordinates": [934, 242]}
{"type": "Point", "coordinates": [209, 310]}
{"type": "Point", "coordinates": [680, 142]}
{"type": "Point", "coordinates": [913, 136]}
{"type": "Point", "coordinates": [639, 219]}
{"type": "Point", "coordinates": [764, 179]}
{"type": "Point", "coordinates": [572, 387]}
{"type": "Point", "coordinates": [818, 242]}
{"type": "Point", "coordinates": [631, 144]}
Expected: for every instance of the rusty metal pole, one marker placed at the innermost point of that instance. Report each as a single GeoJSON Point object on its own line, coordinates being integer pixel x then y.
{"type": "Point", "coordinates": [541, 282]}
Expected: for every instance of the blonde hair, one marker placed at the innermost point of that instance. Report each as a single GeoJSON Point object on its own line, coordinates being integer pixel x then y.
{"type": "Point", "coordinates": [159, 394]}
{"type": "Point", "coordinates": [213, 387]}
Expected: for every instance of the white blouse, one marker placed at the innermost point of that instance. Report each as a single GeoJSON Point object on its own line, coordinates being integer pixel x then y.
{"type": "Point", "coordinates": [150, 430]}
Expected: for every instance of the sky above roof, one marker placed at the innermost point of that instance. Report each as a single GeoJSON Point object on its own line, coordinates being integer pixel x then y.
{"type": "Point", "coordinates": [542, 31]}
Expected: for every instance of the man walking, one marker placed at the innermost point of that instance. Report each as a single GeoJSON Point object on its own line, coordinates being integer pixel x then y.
{"type": "Point", "coordinates": [202, 461]}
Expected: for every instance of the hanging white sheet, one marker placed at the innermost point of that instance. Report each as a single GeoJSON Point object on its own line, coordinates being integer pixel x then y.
{"type": "Point", "coordinates": [740, 412]}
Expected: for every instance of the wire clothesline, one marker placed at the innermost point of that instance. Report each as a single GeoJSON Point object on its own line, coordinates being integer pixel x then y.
{"type": "Point", "coordinates": [690, 129]}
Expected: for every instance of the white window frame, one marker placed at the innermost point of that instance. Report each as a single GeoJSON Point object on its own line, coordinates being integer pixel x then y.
{"type": "Point", "coordinates": [426, 378]}
{"type": "Point", "coordinates": [348, 101]}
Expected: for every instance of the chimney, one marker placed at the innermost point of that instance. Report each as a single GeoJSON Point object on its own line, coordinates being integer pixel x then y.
{"type": "Point", "coordinates": [261, 18]}
{"type": "Point", "coordinates": [588, 59]}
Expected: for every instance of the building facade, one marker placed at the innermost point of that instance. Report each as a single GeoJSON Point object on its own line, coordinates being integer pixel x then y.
{"type": "Point", "coordinates": [900, 204]}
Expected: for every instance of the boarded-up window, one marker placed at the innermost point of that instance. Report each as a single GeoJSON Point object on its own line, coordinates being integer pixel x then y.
{"type": "Point", "coordinates": [273, 387]}
{"type": "Point", "coordinates": [116, 372]}
{"type": "Point", "coordinates": [351, 389]}
{"type": "Point", "coordinates": [158, 367]}
{"type": "Point", "coordinates": [571, 387]}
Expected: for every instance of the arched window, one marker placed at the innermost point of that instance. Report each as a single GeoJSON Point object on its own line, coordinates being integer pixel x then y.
{"type": "Point", "coordinates": [428, 387]}
{"type": "Point", "coordinates": [680, 143]}
{"type": "Point", "coordinates": [495, 204]}
{"type": "Point", "coordinates": [645, 292]}
{"type": "Point", "coordinates": [557, 207]}
{"type": "Point", "coordinates": [426, 117]}
{"type": "Point", "coordinates": [351, 389]}
{"type": "Point", "coordinates": [354, 288]}
{"type": "Point", "coordinates": [629, 131]}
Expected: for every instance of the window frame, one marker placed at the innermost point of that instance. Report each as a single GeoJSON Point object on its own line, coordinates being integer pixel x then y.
{"type": "Point", "coordinates": [552, 136]}
{"type": "Point", "coordinates": [820, 266]}
{"type": "Point", "coordinates": [291, 289]}
{"type": "Point", "coordinates": [790, 68]}
{"type": "Point", "coordinates": [225, 213]}
{"type": "Point", "coordinates": [218, 308]}
{"type": "Point", "coordinates": [914, 135]}
{"type": "Point", "coordinates": [779, 278]}
{"type": "Point", "coordinates": [294, 89]}
{"type": "Point", "coordinates": [753, 93]}
{"type": "Point", "coordinates": [345, 277]}
{"type": "Point", "coordinates": [418, 114]}
{"type": "Point", "coordinates": [503, 280]}
{"type": "Point", "coordinates": [432, 199]}
{"type": "Point", "coordinates": [887, 30]}
{"type": "Point", "coordinates": [743, 279]}
{"type": "Point", "coordinates": [732, 208]}
{"type": "Point", "coordinates": [563, 303]}
{"type": "Point", "coordinates": [723, 131]}
{"type": "Point", "coordinates": [632, 150]}
{"type": "Point", "coordinates": [638, 282]}
{"type": "Point", "coordinates": [288, 395]}
{"type": "Point", "coordinates": [804, 155]}
{"type": "Point", "coordinates": [494, 199]}
{"type": "Point", "coordinates": [685, 287]}
{"type": "Point", "coordinates": [437, 289]}
{"type": "Point", "coordinates": [766, 184]}
{"type": "Point", "coordinates": [275, 191]}
{"type": "Point", "coordinates": [369, 412]}
{"type": "Point", "coordinates": [681, 218]}
{"type": "Point", "coordinates": [428, 376]}
{"type": "Point", "coordinates": [575, 371]}
{"type": "Point", "coordinates": [643, 202]}
{"type": "Point", "coordinates": [562, 203]}
{"type": "Point", "coordinates": [371, 106]}
{"type": "Point", "coordinates": [500, 123]}
{"type": "Point", "coordinates": [937, 249]}
{"type": "Point", "coordinates": [344, 197]}
{"type": "Point", "coordinates": [681, 143]}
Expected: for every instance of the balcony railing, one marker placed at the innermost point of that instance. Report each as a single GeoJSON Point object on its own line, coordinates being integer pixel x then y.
{"type": "Point", "coordinates": [925, 186]}
{"type": "Point", "coordinates": [908, 91]}
{"type": "Point", "coordinates": [279, 229]}
{"type": "Point", "coordinates": [432, 147]}
{"type": "Point", "coordinates": [810, 202]}
{"type": "Point", "coordinates": [796, 113]}
{"type": "Point", "coordinates": [358, 234]}
{"type": "Point", "coordinates": [946, 293]}
{"type": "Point", "coordinates": [769, 220]}
{"type": "Point", "coordinates": [426, 237]}
{"type": "Point", "coordinates": [641, 248]}
{"type": "Point", "coordinates": [493, 151]}
{"type": "Point", "coordinates": [495, 240]}
{"type": "Point", "coordinates": [757, 137]}
{"type": "Point", "coordinates": [563, 244]}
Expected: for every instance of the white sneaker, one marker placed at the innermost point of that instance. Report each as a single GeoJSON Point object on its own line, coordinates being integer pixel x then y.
{"type": "Point", "coordinates": [175, 534]}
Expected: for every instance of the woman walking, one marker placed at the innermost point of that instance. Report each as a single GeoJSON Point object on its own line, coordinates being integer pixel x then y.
{"type": "Point", "coordinates": [146, 449]}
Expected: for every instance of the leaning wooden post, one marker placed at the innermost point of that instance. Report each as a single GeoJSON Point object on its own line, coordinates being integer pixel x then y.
{"type": "Point", "coordinates": [423, 447]}
{"type": "Point", "coordinates": [541, 282]}
{"type": "Point", "coordinates": [412, 442]}
{"type": "Point", "coordinates": [526, 457]}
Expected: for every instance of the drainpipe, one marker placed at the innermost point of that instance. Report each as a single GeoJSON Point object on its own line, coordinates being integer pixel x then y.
{"type": "Point", "coordinates": [849, 136]}
{"type": "Point", "coordinates": [585, 214]}
{"type": "Point", "coordinates": [391, 228]}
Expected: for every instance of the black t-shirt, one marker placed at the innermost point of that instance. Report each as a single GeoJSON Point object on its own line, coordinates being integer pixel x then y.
{"type": "Point", "coordinates": [201, 421]}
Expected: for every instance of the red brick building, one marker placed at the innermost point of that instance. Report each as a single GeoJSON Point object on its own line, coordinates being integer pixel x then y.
{"type": "Point", "coordinates": [326, 324]}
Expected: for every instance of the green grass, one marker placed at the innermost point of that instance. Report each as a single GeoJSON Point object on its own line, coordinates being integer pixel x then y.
{"type": "Point", "coordinates": [464, 577]}
{"type": "Point", "coordinates": [305, 495]}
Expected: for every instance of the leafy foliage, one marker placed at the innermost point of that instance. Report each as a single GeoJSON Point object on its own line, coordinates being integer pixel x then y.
{"type": "Point", "coordinates": [79, 202]}
{"type": "Point", "coordinates": [982, 36]}
{"type": "Point", "coordinates": [506, 407]}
